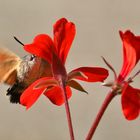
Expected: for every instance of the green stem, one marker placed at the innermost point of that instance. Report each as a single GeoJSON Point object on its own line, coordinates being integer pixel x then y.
{"type": "Point", "coordinates": [104, 106]}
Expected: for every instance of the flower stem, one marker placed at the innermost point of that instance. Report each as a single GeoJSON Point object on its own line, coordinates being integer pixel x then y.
{"type": "Point", "coordinates": [104, 106]}
{"type": "Point", "coordinates": [67, 108]}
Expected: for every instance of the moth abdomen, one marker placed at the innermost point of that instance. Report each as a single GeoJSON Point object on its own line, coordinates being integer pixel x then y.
{"type": "Point", "coordinates": [15, 92]}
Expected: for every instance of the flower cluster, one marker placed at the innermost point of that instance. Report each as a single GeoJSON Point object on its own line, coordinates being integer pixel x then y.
{"type": "Point", "coordinates": [55, 51]}
{"type": "Point", "coordinates": [57, 85]}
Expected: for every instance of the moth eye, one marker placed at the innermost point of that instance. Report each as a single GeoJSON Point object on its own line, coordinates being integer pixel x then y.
{"type": "Point", "coordinates": [29, 57]}
{"type": "Point", "coordinates": [32, 57]}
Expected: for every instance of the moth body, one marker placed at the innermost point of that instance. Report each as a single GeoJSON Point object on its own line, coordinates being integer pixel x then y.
{"type": "Point", "coordinates": [20, 73]}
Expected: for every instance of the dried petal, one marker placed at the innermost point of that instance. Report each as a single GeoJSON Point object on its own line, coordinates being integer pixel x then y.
{"type": "Point", "coordinates": [76, 85]}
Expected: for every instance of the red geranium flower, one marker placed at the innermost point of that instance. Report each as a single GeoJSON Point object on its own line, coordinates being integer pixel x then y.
{"type": "Point", "coordinates": [130, 96]}
{"type": "Point", "coordinates": [55, 52]}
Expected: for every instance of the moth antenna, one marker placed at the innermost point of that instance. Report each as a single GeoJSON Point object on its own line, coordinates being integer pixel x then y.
{"type": "Point", "coordinates": [18, 41]}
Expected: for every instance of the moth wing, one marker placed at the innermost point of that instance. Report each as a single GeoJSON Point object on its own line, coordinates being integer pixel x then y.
{"type": "Point", "coordinates": [9, 64]}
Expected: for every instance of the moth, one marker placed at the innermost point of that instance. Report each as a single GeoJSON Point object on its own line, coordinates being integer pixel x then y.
{"type": "Point", "coordinates": [19, 73]}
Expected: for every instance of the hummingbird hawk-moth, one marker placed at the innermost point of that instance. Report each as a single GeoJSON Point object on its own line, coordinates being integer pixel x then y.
{"type": "Point", "coordinates": [20, 73]}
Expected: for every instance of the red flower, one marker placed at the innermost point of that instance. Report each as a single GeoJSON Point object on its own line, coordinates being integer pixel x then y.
{"type": "Point", "coordinates": [130, 96]}
{"type": "Point", "coordinates": [55, 52]}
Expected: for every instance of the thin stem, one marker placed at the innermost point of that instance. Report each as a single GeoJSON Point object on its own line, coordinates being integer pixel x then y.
{"type": "Point", "coordinates": [104, 106]}
{"type": "Point", "coordinates": [67, 108]}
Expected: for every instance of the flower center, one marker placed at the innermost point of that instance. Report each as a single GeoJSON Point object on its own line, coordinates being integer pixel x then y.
{"type": "Point", "coordinates": [116, 88]}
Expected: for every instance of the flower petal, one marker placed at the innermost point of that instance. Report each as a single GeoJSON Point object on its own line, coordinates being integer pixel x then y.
{"type": "Point", "coordinates": [31, 94]}
{"type": "Point", "coordinates": [130, 102]}
{"type": "Point", "coordinates": [29, 97]}
{"type": "Point", "coordinates": [90, 74]}
{"type": "Point", "coordinates": [64, 33]}
{"type": "Point", "coordinates": [131, 53]}
{"type": "Point", "coordinates": [41, 47]}
{"type": "Point", "coordinates": [45, 82]}
{"type": "Point", "coordinates": [55, 95]}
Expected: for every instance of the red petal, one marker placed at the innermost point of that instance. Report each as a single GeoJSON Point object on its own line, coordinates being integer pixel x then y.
{"type": "Point", "coordinates": [131, 53]}
{"type": "Point", "coordinates": [41, 47]}
{"type": "Point", "coordinates": [64, 33]}
{"type": "Point", "coordinates": [45, 82]}
{"type": "Point", "coordinates": [55, 95]}
{"type": "Point", "coordinates": [130, 102]}
{"type": "Point", "coordinates": [90, 74]}
{"type": "Point", "coordinates": [31, 94]}
{"type": "Point", "coordinates": [29, 97]}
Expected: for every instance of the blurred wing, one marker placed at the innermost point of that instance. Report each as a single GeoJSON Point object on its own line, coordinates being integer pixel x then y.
{"type": "Point", "coordinates": [9, 64]}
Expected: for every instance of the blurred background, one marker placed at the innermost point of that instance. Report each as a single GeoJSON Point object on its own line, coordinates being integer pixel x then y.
{"type": "Point", "coordinates": [97, 23]}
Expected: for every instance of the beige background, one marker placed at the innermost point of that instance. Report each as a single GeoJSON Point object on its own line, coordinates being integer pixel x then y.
{"type": "Point", "coordinates": [97, 22]}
